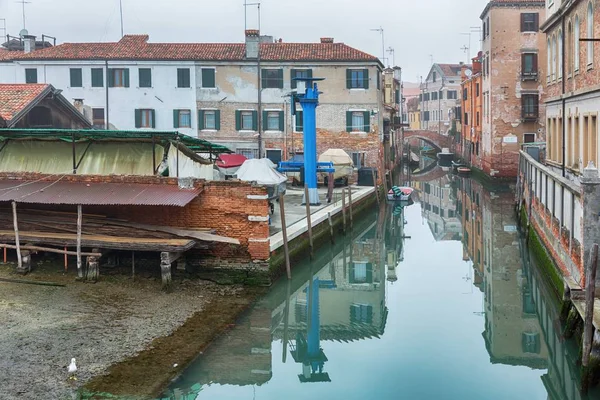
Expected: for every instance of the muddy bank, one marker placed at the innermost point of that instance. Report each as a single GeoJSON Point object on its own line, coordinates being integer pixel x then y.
{"type": "Point", "coordinates": [101, 325]}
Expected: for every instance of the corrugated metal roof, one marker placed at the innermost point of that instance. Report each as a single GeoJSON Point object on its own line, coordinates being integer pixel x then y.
{"type": "Point", "coordinates": [95, 193]}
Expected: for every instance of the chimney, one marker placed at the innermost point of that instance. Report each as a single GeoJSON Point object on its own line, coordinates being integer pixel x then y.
{"type": "Point", "coordinates": [28, 43]}
{"type": "Point", "coordinates": [78, 104]}
{"type": "Point", "coordinates": [326, 40]}
{"type": "Point", "coordinates": [266, 39]}
{"type": "Point", "coordinates": [252, 43]}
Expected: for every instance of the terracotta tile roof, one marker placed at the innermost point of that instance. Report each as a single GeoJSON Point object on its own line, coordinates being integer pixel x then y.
{"type": "Point", "coordinates": [136, 47]}
{"type": "Point", "coordinates": [5, 54]}
{"type": "Point", "coordinates": [15, 97]}
{"type": "Point", "coordinates": [450, 69]}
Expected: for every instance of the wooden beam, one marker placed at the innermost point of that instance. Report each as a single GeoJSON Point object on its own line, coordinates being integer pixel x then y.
{"type": "Point", "coordinates": [50, 250]}
{"type": "Point", "coordinates": [79, 221]}
{"type": "Point", "coordinates": [83, 155]}
{"type": "Point", "coordinates": [16, 227]}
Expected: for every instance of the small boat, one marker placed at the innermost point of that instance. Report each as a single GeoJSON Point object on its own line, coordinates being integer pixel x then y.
{"type": "Point", "coordinates": [229, 164]}
{"type": "Point", "coordinates": [400, 193]}
{"type": "Point", "coordinates": [463, 170]}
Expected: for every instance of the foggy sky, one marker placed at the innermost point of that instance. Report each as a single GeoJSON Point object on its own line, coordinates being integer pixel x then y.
{"type": "Point", "coordinates": [416, 29]}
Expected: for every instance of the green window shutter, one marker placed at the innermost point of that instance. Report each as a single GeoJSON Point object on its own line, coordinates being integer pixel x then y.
{"type": "Point", "coordinates": [97, 77]}
{"type": "Point", "coordinates": [378, 80]}
{"type": "Point", "coordinates": [263, 79]}
{"type": "Point", "coordinates": [76, 77]}
{"type": "Point", "coordinates": [265, 121]}
{"type": "Point", "coordinates": [348, 79]}
{"type": "Point", "coordinates": [309, 73]}
{"type": "Point", "coordinates": [293, 83]}
{"type": "Point", "coordinates": [348, 121]}
{"type": "Point", "coordinates": [126, 77]}
{"type": "Point", "coordinates": [367, 119]}
{"type": "Point", "coordinates": [145, 77]}
{"type": "Point", "coordinates": [299, 121]}
{"type": "Point", "coordinates": [218, 120]}
{"type": "Point", "coordinates": [280, 79]}
{"type": "Point", "coordinates": [366, 78]}
{"type": "Point", "coordinates": [153, 113]}
{"type": "Point", "coordinates": [238, 120]}
{"type": "Point", "coordinates": [208, 78]}
{"type": "Point", "coordinates": [200, 119]}
{"type": "Point", "coordinates": [138, 118]}
{"type": "Point", "coordinates": [175, 118]}
{"type": "Point", "coordinates": [255, 120]}
{"type": "Point", "coordinates": [111, 77]}
{"type": "Point", "coordinates": [281, 121]}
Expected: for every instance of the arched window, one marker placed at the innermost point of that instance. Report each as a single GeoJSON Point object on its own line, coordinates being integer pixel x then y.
{"type": "Point", "coordinates": [560, 54]}
{"type": "Point", "coordinates": [553, 57]}
{"type": "Point", "coordinates": [576, 44]}
{"type": "Point", "coordinates": [590, 34]}
{"type": "Point", "coordinates": [549, 57]}
{"type": "Point", "coordinates": [568, 49]}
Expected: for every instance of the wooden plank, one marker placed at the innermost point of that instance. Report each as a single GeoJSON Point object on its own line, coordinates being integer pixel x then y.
{"type": "Point", "coordinates": [79, 219]}
{"type": "Point", "coordinates": [49, 250]}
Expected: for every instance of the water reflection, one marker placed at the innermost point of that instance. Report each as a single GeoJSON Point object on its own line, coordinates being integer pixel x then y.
{"type": "Point", "coordinates": [360, 320]}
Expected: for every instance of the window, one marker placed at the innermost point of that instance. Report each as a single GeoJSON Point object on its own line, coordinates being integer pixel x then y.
{"type": "Point", "coordinates": [560, 54]}
{"type": "Point", "coordinates": [361, 314]}
{"type": "Point", "coordinates": [397, 97]}
{"type": "Point", "coordinates": [299, 121]}
{"type": "Point", "coordinates": [378, 80]}
{"type": "Point", "coordinates": [576, 44]}
{"type": "Point", "coordinates": [182, 119]}
{"type": "Point", "coordinates": [208, 78]}
{"type": "Point", "coordinates": [529, 22]}
{"type": "Point", "coordinates": [246, 120]}
{"type": "Point", "coordinates": [357, 78]}
{"type": "Point", "coordinates": [441, 95]}
{"type": "Point", "coordinates": [272, 78]}
{"type": "Point", "coordinates": [477, 120]}
{"type": "Point", "coordinates": [145, 118]}
{"type": "Point", "coordinates": [549, 57]}
{"type": "Point", "coordinates": [209, 120]}
{"type": "Point", "coordinates": [452, 95]}
{"type": "Point", "coordinates": [483, 31]}
{"type": "Point", "coordinates": [477, 89]}
{"type": "Point", "coordinates": [273, 121]}
{"type": "Point", "coordinates": [590, 34]}
{"type": "Point", "coordinates": [530, 343]}
{"type": "Point", "coordinates": [434, 76]}
{"type": "Point", "coordinates": [183, 78]}
{"type": "Point", "coordinates": [529, 67]}
{"type": "Point", "coordinates": [465, 94]}
{"type": "Point", "coordinates": [569, 50]}
{"type": "Point", "coordinates": [466, 118]}
{"type": "Point", "coordinates": [426, 116]}
{"type": "Point", "coordinates": [358, 159]}
{"type": "Point", "coordinates": [31, 75]}
{"type": "Point", "coordinates": [426, 97]}
{"type": "Point", "coordinates": [358, 121]}
{"type": "Point", "coordinates": [98, 118]}
{"type": "Point", "coordinates": [488, 26]}
{"type": "Point", "coordinates": [248, 153]}
{"type": "Point", "coordinates": [434, 95]}
{"type": "Point", "coordinates": [529, 106]}
{"type": "Point", "coordinates": [553, 75]}
{"type": "Point", "coordinates": [274, 155]}
{"type": "Point", "coordinates": [118, 77]}
{"type": "Point", "coordinates": [299, 73]}
{"type": "Point", "coordinates": [97, 77]}
{"type": "Point", "coordinates": [145, 77]}
{"type": "Point", "coordinates": [529, 137]}
{"type": "Point", "coordinates": [76, 77]}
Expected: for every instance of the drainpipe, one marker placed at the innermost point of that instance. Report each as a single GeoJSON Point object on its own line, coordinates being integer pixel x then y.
{"type": "Point", "coordinates": [564, 101]}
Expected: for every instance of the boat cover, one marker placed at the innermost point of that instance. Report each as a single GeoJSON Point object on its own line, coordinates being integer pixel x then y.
{"type": "Point", "coordinates": [230, 160]}
{"type": "Point", "coordinates": [261, 171]}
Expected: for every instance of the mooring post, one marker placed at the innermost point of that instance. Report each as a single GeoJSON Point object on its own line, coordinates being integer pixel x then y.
{"type": "Point", "coordinates": [330, 227]}
{"type": "Point", "coordinates": [286, 250]}
{"type": "Point", "coordinates": [590, 291]}
{"type": "Point", "coordinates": [286, 318]}
{"type": "Point", "coordinates": [344, 208]}
{"type": "Point", "coordinates": [165, 269]}
{"type": "Point", "coordinates": [350, 207]}
{"type": "Point", "coordinates": [17, 243]}
{"type": "Point", "coordinates": [79, 223]}
{"type": "Point", "coordinates": [66, 259]}
{"type": "Point", "coordinates": [330, 183]}
{"type": "Point", "coordinates": [309, 221]}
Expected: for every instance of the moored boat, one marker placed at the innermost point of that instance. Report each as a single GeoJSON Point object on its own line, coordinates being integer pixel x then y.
{"type": "Point", "coordinates": [400, 193]}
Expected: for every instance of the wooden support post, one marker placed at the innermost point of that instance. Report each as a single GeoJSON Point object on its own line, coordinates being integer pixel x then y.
{"type": "Point", "coordinates": [588, 328]}
{"type": "Point", "coordinates": [330, 227]}
{"type": "Point", "coordinates": [350, 206]}
{"type": "Point", "coordinates": [133, 265]}
{"type": "Point", "coordinates": [330, 183]}
{"type": "Point", "coordinates": [16, 227]}
{"type": "Point", "coordinates": [165, 269]}
{"type": "Point", "coordinates": [66, 259]}
{"type": "Point", "coordinates": [79, 223]}
{"type": "Point", "coordinates": [93, 267]}
{"type": "Point", "coordinates": [5, 255]}
{"type": "Point", "coordinates": [308, 221]}
{"type": "Point", "coordinates": [286, 250]}
{"type": "Point", "coordinates": [344, 208]}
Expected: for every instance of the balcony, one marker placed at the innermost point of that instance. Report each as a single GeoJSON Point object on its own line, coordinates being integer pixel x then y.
{"type": "Point", "coordinates": [529, 76]}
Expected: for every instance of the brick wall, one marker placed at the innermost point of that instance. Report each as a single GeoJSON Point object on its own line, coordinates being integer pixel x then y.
{"type": "Point", "coordinates": [222, 205]}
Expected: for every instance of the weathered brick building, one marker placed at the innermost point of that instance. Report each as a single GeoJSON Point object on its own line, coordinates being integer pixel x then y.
{"type": "Point", "coordinates": [439, 97]}
{"type": "Point", "coordinates": [572, 85]}
{"type": "Point", "coordinates": [512, 86]}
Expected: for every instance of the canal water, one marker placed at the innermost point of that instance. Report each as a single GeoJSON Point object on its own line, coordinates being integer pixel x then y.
{"type": "Point", "coordinates": [435, 300]}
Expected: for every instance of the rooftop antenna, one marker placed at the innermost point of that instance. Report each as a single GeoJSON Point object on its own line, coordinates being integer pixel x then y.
{"type": "Point", "coordinates": [23, 2]}
{"type": "Point", "coordinates": [380, 30]}
{"type": "Point", "coordinates": [121, 13]}
{"type": "Point", "coordinates": [3, 26]}
{"type": "Point", "coordinates": [431, 58]}
{"type": "Point", "coordinates": [478, 30]}
{"type": "Point", "coordinates": [467, 49]}
{"type": "Point", "coordinates": [391, 51]}
{"type": "Point", "coordinates": [246, 5]}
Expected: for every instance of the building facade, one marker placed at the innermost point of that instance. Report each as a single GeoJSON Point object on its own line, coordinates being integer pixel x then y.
{"type": "Point", "coordinates": [572, 85]}
{"type": "Point", "coordinates": [235, 94]}
{"type": "Point", "coordinates": [512, 83]}
{"type": "Point", "coordinates": [471, 106]}
{"type": "Point", "coordinates": [439, 97]}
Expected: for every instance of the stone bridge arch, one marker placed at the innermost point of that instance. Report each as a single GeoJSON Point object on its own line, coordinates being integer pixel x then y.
{"type": "Point", "coordinates": [433, 138]}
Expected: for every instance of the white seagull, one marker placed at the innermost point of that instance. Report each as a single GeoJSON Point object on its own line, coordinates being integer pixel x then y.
{"type": "Point", "coordinates": [72, 369]}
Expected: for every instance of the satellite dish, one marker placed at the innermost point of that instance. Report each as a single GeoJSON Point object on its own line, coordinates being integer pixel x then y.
{"type": "Point", "coordinates": [23, 33]}
{"type": "Point", "coordinates": [468, 73]}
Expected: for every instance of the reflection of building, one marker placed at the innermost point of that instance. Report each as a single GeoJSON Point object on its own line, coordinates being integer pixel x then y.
{"type": "Point", "coordinates": [394, 239]}
{"type": "Point", "coordinates": [469, 196]}
{"type": "Point", "coordinates": [438, 207]}
{"type": "Point", "coordinates": [512, 332]}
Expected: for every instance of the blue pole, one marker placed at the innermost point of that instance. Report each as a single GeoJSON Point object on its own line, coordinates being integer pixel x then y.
{"type": "Point", "coordinates": [309, 103]}
{"type": "Point", "coordinates": [314, 334]}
